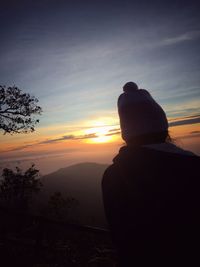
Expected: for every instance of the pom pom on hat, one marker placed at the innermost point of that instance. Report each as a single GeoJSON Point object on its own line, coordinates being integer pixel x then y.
{"type": "Point", "coordinates": [139, 113]}
{"type": "Point", "coordinates": [130, 86]}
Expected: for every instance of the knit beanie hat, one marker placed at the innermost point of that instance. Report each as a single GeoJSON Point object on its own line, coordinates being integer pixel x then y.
{"type": "Point", "coordinates": [139, 113]}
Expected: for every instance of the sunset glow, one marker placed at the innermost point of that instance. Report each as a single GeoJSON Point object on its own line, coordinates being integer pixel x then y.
{"type": "Point", "coordinates": [100, 139]}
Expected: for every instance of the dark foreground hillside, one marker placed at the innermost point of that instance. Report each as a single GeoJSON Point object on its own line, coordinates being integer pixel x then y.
{"type": "Point", "coordinates": [35, 241]}
{"type": "Point", "coordinates": [77, 238]}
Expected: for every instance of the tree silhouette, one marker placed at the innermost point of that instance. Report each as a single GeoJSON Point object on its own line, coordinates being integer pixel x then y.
{"type": "Point", "coordinates": [59, 206]}
{"type": "Point", "coordinates": [17, 188]}
{"type": "Point", "coordinates": [17, 110]}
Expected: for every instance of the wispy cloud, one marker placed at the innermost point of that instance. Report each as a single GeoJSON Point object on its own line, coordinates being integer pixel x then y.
{"type": "Point", "coordinates": [195, 132]}
{"type": "Point", "coordinates": [114, 132]}
{"type": "Point", "coordinates": [55, 140]}
{"type": "Point", "coordinates": [65, 137]}
{"type": "Point", "coordinates": [69, 137]}
{"type": "Point", "coordinates": [184, 118]}
{"type": "Point", "coordinates": [185, 121]}
{"type": "Point", "coordinates": [188, 36]}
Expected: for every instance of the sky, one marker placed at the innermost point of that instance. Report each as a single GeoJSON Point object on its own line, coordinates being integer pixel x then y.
{"type": "Point", "coordinates": [75, 57]}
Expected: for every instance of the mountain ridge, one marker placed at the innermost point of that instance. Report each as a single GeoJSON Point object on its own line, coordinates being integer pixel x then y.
{"type": "Point", "coordinates": [81, 181]}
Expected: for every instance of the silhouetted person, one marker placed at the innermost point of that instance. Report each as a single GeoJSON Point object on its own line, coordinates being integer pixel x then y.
{"type": "Point", "coordinates": [151, 192]}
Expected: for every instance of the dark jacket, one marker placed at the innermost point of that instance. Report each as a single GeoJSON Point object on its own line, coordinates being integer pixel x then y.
{"type": "Point", "coordinates": [152, 203]}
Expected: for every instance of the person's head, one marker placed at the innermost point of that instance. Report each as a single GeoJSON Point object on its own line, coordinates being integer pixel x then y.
{"type": "Point", "coordinates": [142, 120]}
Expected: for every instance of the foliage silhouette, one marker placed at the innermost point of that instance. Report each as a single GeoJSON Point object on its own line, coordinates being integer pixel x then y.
{"type": "Point", "coordinates": [59, 206]}
{"type": "Point", "coordinates": [17, 188]}
{"type": "Point", "coordinates": [17, 110]}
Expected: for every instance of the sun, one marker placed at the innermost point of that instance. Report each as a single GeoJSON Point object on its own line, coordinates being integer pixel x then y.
{"type": "Point", "coordinates": [101, 139]}
{"type": "Point", "coordinates": [101, 130]}
{"type": "Point", "coordinates": [101, 134]}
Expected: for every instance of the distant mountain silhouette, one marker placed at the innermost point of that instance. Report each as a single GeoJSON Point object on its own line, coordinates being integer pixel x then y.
{"type": "Point", "coordinates": [82, 182]}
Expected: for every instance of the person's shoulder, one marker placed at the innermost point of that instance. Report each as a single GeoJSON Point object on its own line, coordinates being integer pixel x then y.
{"type": "Point", "coordinates": [170, 149]}
{"type": "Point", "coordinates": [108, 173]}
{"type": "Point", "coordinates": [120, 97]}
{"type": "Point", "coordinates": [181, 161]}
{"type": "Point", "coordinates": [111, 176]}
